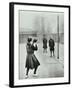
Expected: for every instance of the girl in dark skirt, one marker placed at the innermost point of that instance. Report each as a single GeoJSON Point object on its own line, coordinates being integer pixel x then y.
{"type": "Point", "coordinates": [31, 60]}
{"type": "Point", "coordinates": [45, 45]}
{"type": "Point", "coordinates": [36, 63]}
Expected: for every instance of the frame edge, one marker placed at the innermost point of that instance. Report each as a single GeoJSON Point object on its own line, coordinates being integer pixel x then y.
{"type": "Point", "coordinates": [11, 44]}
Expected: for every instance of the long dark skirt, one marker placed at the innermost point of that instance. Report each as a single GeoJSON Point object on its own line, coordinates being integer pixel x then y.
{"type": "Point", "coordinates": [31, 61]}
{"type": "Point", "coordinates": [45, 46]}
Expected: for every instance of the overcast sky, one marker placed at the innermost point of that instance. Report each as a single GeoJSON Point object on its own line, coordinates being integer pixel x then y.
{"type": "Point", "coordinates": [39, 21]}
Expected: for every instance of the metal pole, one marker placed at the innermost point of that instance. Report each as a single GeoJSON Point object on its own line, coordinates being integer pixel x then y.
{"type": "Point", "coordinates": [58, 37]}
{"type": "Point", "coordinates": [43, 25]}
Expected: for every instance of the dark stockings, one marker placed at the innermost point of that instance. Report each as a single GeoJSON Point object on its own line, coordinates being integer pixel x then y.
{"type": "Point", "coordinates": [27, 71]}
{"type": "Point", "coordinates": [53, 52]}
{"type": "Point", "coordinates": [35, 70]}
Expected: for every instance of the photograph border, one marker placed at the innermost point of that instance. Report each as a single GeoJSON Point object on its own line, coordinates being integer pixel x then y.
{"type": "Point", "coordinates": [11, 42]}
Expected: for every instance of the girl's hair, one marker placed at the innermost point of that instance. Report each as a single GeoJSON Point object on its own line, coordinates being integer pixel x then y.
{"type": "Point", "coordinates": [29, 39]}
{"type": "Point", "coordinates": [35, 40]}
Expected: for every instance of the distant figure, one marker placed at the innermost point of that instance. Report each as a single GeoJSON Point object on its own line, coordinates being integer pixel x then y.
{"type": "Point", "coordinates": [31, 60]}
{"type": "Point", "coordinates": [51, 45]}
{"type": "Point", "coordinates": [44, 45]}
